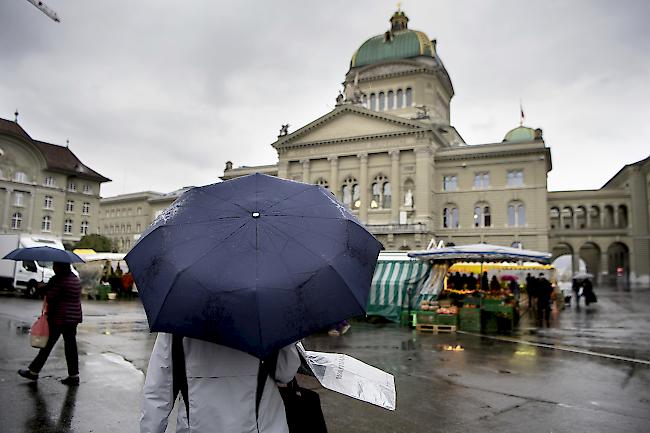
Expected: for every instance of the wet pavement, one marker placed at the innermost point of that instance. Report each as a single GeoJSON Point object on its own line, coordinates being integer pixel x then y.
{"type": "Point", "coordinates": [589, 371]}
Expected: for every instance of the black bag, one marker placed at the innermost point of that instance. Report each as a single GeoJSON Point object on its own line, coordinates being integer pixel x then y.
{"type": "Point", "coordinates": [304, 414]}
{"type": "Point", "coordinates": [302, 406]}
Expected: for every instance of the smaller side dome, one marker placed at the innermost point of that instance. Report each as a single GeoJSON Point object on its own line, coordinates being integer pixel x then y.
{"type": "Point", "coordinates": [522, 134]}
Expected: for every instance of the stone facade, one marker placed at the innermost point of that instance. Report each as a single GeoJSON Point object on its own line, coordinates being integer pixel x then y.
{"type": "Point", "coordinates": [46, 190]}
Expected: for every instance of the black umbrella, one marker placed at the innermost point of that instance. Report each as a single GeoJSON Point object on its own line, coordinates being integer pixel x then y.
{"type": "Point", "coordinates": [253, 263]}
{"type": "Point", "coordinates": [45, 254]}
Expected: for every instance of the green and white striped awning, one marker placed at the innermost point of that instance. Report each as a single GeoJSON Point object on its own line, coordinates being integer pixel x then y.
{"type": "Point", "coordinates": [389, 292]}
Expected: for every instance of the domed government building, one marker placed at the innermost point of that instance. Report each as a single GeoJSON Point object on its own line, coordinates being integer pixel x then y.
{"type": "Point", "coordinates": [388, 150]}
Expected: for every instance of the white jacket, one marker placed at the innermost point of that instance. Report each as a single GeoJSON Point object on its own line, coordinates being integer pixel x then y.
{"type": "Point", "coordinates": [221, 389]}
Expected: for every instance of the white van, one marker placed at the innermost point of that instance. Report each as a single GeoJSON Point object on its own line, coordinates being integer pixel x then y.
{"type": "Point", "coordinates": [25, 275]}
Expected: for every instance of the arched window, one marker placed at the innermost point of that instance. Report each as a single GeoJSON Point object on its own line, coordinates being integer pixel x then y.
{"type": "Point", "coordinates": [388, 194]}
{"type": "Point", "coordinates": [554, 216]}
{"type": "Point", "coordinates": [567, 217]}
{"type": "Point", "coordinates": [46, 224]}
{"type": "Point", "coordinates": [356, 196]}
{"type": "Point", "coordinates": [399, 99]}
{"type": "Point", "coordinates": [409, 96]}
{"type": "Point", "coordinates": [20, 176]}
{"type": "Point", "coordinates": [390, 100]}
{"type": "Point", "coordinates": [373, 101]}
{"type": "Point", "coordinates": [380, 193]}
{"type": "Point", "coordinates": [450, 217]}
{"type": "Point", "coordinates": [16, 220]}
{"type": "Point", "coordinates": [322, 182]}
{"type": "Point", "coordinates": [516, 214]}
{"type": "Point", "coordinates": [482, 216]}
{"type": "Point", "coordinates": [382, 101]}
{"type": "Point", "coordinates": [350, 193]}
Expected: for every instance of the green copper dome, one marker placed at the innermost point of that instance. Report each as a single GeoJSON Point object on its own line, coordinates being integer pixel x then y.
{"type": "Point", "coordinates": [397, 43]}
{"type": "Point", "coordinates": [519, 134]}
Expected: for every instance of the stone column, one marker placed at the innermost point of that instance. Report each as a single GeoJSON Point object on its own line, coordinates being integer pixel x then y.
{"type": "Point", "coordinates": [363, 187]}
{"type": "Point", "coordinates": [395, 184]}
{"type": "Point", "coordinates": [602, 216]}
{"type": "Point", "coordinates": [561, 217]}
{"type": "Point", "coordinates": [616, 219]}
{"type": "Point", "coordinates": [305, 171]}
{"type": "Point", "coordinates": [6, 221]}
{"type": "Point", "coordinates": [574, 218]}
{"type": "Point", "coordinates": [575, 261]}
{"type": "Point", "coordinates": [604, 266]}
{"type": "Point", "coordinates": [334, 175]}
{"type": "Point", "coordinates": [283, 169]}
{"type": "Point", "coordinates": [588, 216]}
{"type": "Point", "coordinates": [423, 175]}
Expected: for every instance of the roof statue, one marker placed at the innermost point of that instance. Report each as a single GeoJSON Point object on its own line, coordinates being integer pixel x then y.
{"type": "Point", "coordinates": [284, 130]}
{"type": "Point", "coordinates": [353, 94]}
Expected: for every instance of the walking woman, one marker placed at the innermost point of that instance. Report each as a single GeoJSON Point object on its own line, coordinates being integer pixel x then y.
{"type": "Point", "coordinates": [63, 296]}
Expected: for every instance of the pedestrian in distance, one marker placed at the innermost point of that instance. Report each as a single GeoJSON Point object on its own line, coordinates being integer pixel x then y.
{"type": "Point", "coordinates": [471, 282]}
{"type": "Point", "coordinates": [531, 290]}
{"type": "Point", "coordinates": [221, 386]}
{"type": "Point", "coordinates": [63, 297]}
{"type": "Point", "coordinates": [575, 286]}
{"type": "Point", "coordinates": [544, 292]}
{"type": "Point", "coordinates": [494, 284]}
{"type": "Point", "coordinates": [485, 284]}
{"type": "Point", "coordinates": [588, 292]}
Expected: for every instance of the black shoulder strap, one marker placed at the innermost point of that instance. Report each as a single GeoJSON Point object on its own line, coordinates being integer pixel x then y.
{"type": "Point", "coordinates": [267, 368]}
{"type": "Point", "coordinates": [179, 376]}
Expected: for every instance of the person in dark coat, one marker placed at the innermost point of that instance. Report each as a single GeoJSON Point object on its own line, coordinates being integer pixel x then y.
{"type": "Point", "coordinates": [494, 284]}
{"type": "Point", "coordinates": [485, 284]}
{"type": "Point", "coordinates": [63, 295]}
{"type": "Point", "coordinates": [471, 282]}
{"type": "Point", "coordinates": [575, 286]}
{"type": "Point", "coordinates": [588, 292]}
{"type": "Point", "coordinates": [531, 290]}
{"type": "Point", "coordinates": [544, 292]}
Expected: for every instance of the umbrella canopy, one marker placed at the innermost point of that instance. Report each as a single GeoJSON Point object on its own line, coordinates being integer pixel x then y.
{"type": "Point", "coordinates": [582, 276]}
{"type": "Point", "coordinates": [482, 252]}
{"type": "Point", "coordinates": [46, 254]}
{"type": "Point", "coordinates": [253, 263]}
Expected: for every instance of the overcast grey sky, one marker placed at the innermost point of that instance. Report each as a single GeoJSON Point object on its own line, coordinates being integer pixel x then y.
{"type": "Point", "coordinates": [158, 94]}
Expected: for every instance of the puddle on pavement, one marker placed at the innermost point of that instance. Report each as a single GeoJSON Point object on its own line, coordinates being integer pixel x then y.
{"type": "Point", "coordinates": [120, 360]}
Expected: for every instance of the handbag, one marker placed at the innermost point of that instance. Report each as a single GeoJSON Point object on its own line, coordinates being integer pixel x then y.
{"type": "Point", "coordinates": [301, 405]}
{"type": "Point", "coordinates": [40, 332]}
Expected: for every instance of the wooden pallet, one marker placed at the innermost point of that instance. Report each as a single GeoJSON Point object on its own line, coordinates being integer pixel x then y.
{"type": "Point", "coordinates": [427, 327]}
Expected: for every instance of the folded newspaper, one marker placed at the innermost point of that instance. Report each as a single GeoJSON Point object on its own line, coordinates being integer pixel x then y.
{"type": "Point", "coordinates": [351, 377]}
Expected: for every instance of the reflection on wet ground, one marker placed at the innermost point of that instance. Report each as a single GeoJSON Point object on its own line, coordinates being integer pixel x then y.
{"type": "Point", "coordinates": [44, 420]}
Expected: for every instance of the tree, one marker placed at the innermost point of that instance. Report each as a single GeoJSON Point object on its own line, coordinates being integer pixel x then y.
{"type": "Point", "coordinates": [96, 242]}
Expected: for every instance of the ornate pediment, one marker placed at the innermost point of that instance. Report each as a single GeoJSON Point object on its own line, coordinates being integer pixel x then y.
{"type": "Point", "coordinates": [348, 122]}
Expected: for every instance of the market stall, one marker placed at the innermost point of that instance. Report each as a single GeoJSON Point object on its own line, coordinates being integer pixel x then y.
{"type": "Point", "coordinates": [481, 289]}
{"type": "Point", "coordinates": [395, 284]}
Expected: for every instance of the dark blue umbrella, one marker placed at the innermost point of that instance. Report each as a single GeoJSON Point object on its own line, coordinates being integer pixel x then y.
{"type": "Point", "coordinates": [253, 263]}
{"type": "Point", "coordinates": [45, 254]}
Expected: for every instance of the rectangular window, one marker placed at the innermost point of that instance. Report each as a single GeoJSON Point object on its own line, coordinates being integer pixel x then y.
{"type": "Point", "coordinates": [84, 227]}
{"type": "Point", "coordinates": [20, 176]}
{"type": "Point", "coordinates": [482, 180]}
{"type": "Point", "coordinates": [72, 186]}
{"type": "Point", "coordinates": [85, 208]}
{"type": "Point", "coordinates": [19, 199]}
{"type": "Point", "coordinates": [67, 226]}
{"type": "Point", "coordinates": [87, 189]}
{"type": "Point", "coordinates": [47, 203]}
{"type": "Point", "coordinates": [515, 178]}
{"type": "Point", "coordinates": [49, 181]}
{"type": "Point", "coordinates": [450, 183]}
{"type": "Point", "coordinates": [69, 206]}
{"type": "Point", "coordinates": [46, 225]}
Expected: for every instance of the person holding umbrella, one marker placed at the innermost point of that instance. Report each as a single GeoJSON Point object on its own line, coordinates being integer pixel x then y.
{"type": "Point", "coordinates": [63, 297]}
{"type": "Point", "coordinates": [241, 270]}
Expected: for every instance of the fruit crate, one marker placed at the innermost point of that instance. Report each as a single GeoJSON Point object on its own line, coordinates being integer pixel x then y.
{"type": "Point", "coordinates": [446, 319]}
{"type": "Point", "coordinates": [470, 319]}
{"type": "Point", "coordinates": [425, 317]}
